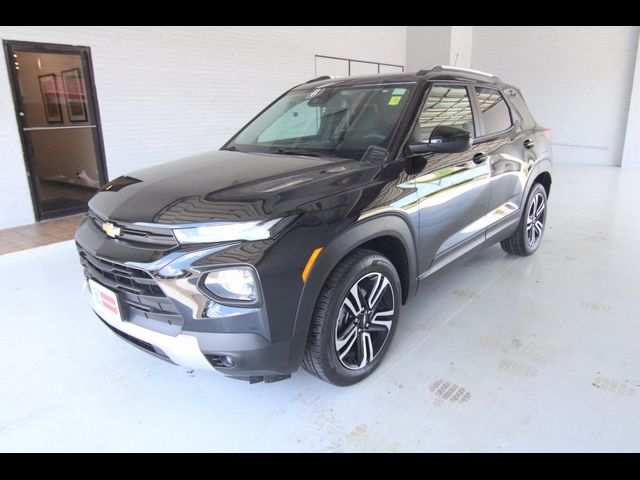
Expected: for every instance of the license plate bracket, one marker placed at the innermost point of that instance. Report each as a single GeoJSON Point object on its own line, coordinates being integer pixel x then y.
{"type": "Point", "coordinates": [105, 302]}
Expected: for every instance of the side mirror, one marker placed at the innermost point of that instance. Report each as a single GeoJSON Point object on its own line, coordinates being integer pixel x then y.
{"type": "Point", "coordinates": [444, 139]}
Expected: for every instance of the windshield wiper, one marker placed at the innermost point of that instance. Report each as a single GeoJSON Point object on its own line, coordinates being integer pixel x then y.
{"type": "Point", "coordinates": [294, 151]}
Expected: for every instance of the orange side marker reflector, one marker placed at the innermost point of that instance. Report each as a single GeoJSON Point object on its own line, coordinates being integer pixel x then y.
{"type": "Point", "coordinates": [310, 262]}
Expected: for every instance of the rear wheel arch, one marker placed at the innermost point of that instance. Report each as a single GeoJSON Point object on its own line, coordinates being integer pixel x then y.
{"type": "Point", "coordinates": [541, 174]}
{"type": "Point", "coordinates": [544, 179]}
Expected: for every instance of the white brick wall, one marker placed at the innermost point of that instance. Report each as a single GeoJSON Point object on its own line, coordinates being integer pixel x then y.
{"type": "Point", "coordinates": [427, 46]}
{"type": "Point", "coordinates": [438, 45]}
{"type": "Point", "coordinates": [461, 42]}
{"type": "Point", "coordinates": [576, 80]}
{"type": "Point", "coordinates": [167, 92]}
{"type": "Point", "coordinates": [631, 155]}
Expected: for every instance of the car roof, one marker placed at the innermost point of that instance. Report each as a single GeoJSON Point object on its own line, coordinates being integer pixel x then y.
{"type": "Point", "coordinates": [438, 72]}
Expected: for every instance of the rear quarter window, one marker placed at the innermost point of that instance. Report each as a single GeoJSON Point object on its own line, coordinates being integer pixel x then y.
{"type": "Point", "coordinates": [494, 111]}
{"type": "Point", "coordinates": [521, 109]}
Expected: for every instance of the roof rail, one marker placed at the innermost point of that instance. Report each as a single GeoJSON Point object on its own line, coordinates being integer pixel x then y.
{"type": "Point", "coordinates": [324, 77]}
{"type": "Point", "coordinates": [448, 68]}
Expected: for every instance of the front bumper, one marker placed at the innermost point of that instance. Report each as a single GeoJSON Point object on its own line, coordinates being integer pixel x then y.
{"type": "Point", "coordinates": [183, 349]}
{"type": "Point", "coordinates": [253, 357]}
{"type": "Point", "coordinates": [239, 343]}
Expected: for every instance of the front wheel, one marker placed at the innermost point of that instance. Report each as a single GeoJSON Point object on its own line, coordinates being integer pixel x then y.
{"type": "Point", "coordinates": [354, 320]}
{"type": "Point", "coordinates": [528, 237]}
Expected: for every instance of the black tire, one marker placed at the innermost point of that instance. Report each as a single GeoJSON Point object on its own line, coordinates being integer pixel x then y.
{"type": "Point", "coordinates": [333, 318]}
{"type": "Point", "coordinates": [520, 243]}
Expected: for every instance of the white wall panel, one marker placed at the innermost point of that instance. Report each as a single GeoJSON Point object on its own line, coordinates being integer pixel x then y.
{"type": "Point", "coordinates": [631, 155]}
{"type": "Point", "coordinates": [576, 79]}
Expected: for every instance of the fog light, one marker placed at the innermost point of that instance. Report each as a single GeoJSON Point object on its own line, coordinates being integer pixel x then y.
{"type": "Point", "coordinates": [222, 360]}
{"type": "Point", "coordinates": [228, 361]}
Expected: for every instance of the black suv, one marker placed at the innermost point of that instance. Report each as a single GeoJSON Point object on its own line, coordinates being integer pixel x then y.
{"type": "Point", "coordinates": [297, 242]}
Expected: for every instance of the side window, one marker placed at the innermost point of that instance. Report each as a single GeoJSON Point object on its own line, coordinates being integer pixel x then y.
{"type": "Point", "coordinates": [493, 110]}
{"type": "Point", "coordinates": [301, 120]}
{"type": "Point", "coordinates": [447, 106]}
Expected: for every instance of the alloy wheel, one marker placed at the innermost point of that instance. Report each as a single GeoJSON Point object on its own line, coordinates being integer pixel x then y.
{"type": "Point", "coordinates": [364, 321]}
{"type": "Point", "coordinates": [535, 220]}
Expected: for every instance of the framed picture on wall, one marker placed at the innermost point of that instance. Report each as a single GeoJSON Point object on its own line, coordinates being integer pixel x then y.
{"type": "Point", "coordinates": [74, 94]}
{"type": "Point", "coordinates": [50, 98]}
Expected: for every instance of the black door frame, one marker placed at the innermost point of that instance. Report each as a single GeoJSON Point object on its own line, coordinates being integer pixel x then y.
{"type": "Point", "coordinates": [92, 97]}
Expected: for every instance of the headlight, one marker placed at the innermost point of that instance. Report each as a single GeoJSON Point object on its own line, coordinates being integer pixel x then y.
{"type": "Point", "coordinates": [237, 284]}
{"type": "Point", "coordinates": [226, 232]}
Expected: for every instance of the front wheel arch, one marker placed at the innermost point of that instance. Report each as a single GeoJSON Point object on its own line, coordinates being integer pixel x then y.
{"type": "Point", "coordinates": [370, 232]}
{"type": "Point", "coordinates": [392, 248]}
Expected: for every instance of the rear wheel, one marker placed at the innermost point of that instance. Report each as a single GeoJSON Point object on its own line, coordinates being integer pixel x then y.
{"type": "Point", "coordinates": [528, 237]}
{"type": "Point", "coordinates": [354, 320]}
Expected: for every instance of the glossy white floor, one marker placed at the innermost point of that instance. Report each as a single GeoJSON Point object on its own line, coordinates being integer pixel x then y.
{"type": "Point", "coordinates": [501, 354]}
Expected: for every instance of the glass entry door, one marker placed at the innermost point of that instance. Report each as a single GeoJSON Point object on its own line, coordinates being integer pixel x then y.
{"type": "Point", "coordinates": [58, 119]}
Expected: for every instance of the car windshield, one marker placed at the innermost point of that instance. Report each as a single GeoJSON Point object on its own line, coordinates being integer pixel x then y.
{"type": "Point", "coordinates": [330, 121]}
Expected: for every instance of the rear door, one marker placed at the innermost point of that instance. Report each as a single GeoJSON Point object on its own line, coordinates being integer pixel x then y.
{"type": "Point", "coordinates": [511, 153]}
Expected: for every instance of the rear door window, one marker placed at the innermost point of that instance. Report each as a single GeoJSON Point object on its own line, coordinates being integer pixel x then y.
{"type": "Point", "coordinates": [494, 111]}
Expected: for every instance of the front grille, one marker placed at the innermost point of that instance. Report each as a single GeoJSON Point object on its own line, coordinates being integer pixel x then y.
{"type": "Point", "coordinates": [160, 237]}
{"type": "Point", "coordinates": [135, 288]}
{"type": "Point", "coordinates": [119, 277]}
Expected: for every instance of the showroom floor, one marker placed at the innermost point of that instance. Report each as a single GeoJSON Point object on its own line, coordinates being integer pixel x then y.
{"type": "Point", "coordinates": [500, 354]}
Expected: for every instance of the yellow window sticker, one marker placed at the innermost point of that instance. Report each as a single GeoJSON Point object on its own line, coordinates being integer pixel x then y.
{"type": "Point", "coordinates": [395, 100]}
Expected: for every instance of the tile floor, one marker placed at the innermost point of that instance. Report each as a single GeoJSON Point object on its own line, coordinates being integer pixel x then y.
{"type": "Point", "coordinates": [38, 234]}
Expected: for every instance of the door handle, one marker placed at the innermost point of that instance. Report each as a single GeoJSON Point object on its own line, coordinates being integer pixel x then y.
{"type": "Point", "coordinates": [528, 143]}
{"type": "Point", "coordinates": [479, 157]}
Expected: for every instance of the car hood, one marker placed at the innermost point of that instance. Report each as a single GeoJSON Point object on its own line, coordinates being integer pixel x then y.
{"type": "Point", "coordinates": [226, 186]}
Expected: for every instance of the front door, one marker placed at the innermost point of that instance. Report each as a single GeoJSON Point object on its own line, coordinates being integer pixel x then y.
{"type": "Point", "coordinates": [59, 126]}
{"type": "Point", "coordinates": [453, 188]}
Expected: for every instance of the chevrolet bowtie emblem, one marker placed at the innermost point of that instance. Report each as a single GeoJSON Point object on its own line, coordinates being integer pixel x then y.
{"type": "Point", "coordinates": [110, 229]}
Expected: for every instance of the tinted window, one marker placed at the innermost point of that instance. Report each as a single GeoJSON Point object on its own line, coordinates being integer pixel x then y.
{"type": "Point", "coordinates": [448, 106]}
{"type": "Point", "coordinates": [493, 110]}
